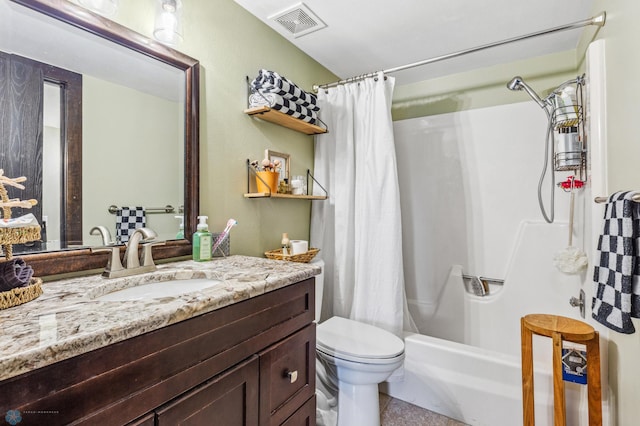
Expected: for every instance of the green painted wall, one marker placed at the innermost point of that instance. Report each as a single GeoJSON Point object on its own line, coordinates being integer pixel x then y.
{"type": "Point", "coordinates": [137, 115]}
{"type": "Point", "coordinates": [230, 44]}
{"type": "Point", "coordinates": [483, 87]}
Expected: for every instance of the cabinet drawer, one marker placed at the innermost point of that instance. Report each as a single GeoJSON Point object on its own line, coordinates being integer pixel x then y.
{"type": "Point", "coordinates": [305, 416]}
{"type": "Point", "coordinates": [148, 420]}
{"type": "Point", "coordinates": [229, 399]}
{"type": "Point", "coordinates": [287, 376]}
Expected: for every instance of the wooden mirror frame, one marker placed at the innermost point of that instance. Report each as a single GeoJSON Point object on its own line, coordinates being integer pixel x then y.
{"type": "Point", "coordinates": [66, 261]}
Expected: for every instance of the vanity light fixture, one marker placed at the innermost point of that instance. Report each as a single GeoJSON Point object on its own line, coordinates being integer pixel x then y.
{"type": "Point", "coordinates": [103, 7]}
{"type": "Point", "coordinates": [168, 23]}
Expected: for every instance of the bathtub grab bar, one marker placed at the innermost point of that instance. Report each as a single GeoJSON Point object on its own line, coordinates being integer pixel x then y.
{"type": "Point", "coordinates": [478, 285]}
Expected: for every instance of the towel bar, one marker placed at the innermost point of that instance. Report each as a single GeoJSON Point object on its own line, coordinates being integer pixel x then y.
{"type": "Point", "coordinates": [635, 198]}
{"type": "Point", "coordinates": [113, 209]}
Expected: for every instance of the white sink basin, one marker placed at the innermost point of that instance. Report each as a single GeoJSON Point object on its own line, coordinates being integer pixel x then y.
{"type": "Point", "coordinates": [159, 289]}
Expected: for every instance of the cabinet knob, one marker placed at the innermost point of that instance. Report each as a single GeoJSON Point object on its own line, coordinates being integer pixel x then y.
{"type": "Point", "coordinates": [292, 375]}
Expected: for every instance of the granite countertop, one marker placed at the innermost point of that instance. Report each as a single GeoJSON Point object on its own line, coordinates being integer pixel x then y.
{"type": "Point", "coordinates": [67, 320]}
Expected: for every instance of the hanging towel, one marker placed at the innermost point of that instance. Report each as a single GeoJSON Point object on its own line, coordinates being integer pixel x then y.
{"type": "Point", "coordinates": [14, 273]}
{"type": "Point", "coordinates": [128, 219]}
{"type": "Point", "coordinates": [616, 281]}
{"type": "Point", "coordinates": [283, 105]}
{"type": "Point", "coordinates": [271, 82]}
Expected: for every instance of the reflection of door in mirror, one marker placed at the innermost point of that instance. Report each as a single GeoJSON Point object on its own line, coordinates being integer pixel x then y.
{"type": "Point", "coordinates": [38, 128]}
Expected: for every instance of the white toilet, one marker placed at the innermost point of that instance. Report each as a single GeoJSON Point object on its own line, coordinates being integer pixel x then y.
{"type": "Point", "coordinates": [357, 357]}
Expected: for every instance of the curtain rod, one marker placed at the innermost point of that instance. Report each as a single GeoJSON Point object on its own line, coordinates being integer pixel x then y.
{"type": "Point", "coordinates": [598, 20]}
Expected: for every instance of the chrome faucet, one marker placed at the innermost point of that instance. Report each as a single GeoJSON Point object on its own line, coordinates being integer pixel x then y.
{"type": "Point", "coordinates": [104, 233]}
{"type": "Point", "coordinates": [141, 237]}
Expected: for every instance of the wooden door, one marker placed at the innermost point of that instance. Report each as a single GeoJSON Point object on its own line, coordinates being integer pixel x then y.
{"type": "Point", "coordinates": [21, 139]}
{"type": "Point", "coordinates": [21, 147]}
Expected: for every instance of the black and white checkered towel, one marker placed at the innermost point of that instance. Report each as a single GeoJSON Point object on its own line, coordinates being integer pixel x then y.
{"type": "Point", "coordinates": [616, 281]}
{"type": "Point", "coordinates": [283, 105]}
{"type": "Point", "coordinates": [271, 82]}
{"type": "Point", "coordinates": [128, 219]}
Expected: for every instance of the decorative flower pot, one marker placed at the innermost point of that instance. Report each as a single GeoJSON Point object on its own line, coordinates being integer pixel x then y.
{"type": "Point", "coordinates": [267, 182]}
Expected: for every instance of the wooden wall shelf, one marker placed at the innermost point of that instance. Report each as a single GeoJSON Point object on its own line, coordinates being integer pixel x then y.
{"type": "Point", "coordinates": [289, 196]}
{"type": "Point", "coordinates": [252, 173]}
{"type": "Point", "coordinates": [273, 116]}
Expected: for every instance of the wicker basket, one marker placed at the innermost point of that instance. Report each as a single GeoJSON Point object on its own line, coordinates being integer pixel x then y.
{"type": "Point", "coordinates": [301, 257]}
{"type": "Point", "coordinates": [20, 295]}
{"type": "Point", "coordinates": [20, 235]}
{"type": "Point", "coordinates": [9, 237]}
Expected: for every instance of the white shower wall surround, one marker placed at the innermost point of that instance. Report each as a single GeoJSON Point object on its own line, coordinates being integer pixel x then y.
{"type": "Point", "coordinates": [467, 181]}
{"type": "Point", "coordinates": [469, 205]}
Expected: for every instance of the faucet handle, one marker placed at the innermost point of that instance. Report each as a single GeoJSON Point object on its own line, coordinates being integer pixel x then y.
{"type": "Point", "coordinates": [146, 257]}
{"type": "Point", "coordinates": [114, 264]}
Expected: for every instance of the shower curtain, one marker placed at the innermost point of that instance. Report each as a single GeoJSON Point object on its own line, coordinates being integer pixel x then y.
{"type": "Point", "coordinates": [358, 228]}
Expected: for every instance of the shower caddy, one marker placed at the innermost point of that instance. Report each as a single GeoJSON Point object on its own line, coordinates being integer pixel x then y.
{"type": "Point", "coordinates": [9, 237]}
{"type": "Point", "coordinates": [570, 148]}
{"type": "Point", "coordinates": [565, 144]}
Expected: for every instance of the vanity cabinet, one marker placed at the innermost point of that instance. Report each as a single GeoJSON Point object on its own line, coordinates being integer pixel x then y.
{"type": "Point", "coordinates": [250, 363]}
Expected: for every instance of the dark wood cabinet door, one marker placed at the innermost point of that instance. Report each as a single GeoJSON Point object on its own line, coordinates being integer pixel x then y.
{"type": "Point", "coordinates": [287, 376]}
{"type": "Point", "coordinates": [148, 420]}
{"type": "Point", "coordinates": [305, 416]}
{"type": "Point", "coordinates": [230, 399]}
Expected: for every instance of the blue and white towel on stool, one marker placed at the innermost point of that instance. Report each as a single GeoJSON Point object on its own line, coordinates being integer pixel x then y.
{"type": "Point", "coordinates": [128, 219]}
{"type": "Point", "coordinates": [616, 280]}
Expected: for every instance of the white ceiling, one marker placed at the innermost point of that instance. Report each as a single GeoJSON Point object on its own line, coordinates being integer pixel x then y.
{"type": "Point", "coordinates": [364, 36]}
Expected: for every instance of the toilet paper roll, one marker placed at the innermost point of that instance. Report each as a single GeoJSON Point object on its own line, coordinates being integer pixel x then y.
{"type": "Point", "coordinates": [299, 246]}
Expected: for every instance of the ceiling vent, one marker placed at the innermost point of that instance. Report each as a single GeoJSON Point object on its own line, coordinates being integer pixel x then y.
{"type": "Point", "coordinates": [298, 20]}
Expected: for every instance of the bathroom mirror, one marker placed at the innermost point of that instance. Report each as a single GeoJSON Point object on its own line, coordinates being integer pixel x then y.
{"type": "Point", "coordinates": [120, 160]}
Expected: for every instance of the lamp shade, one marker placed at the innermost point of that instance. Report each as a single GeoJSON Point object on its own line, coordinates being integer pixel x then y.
{"type": "Point", "coordinates": [168, 22]}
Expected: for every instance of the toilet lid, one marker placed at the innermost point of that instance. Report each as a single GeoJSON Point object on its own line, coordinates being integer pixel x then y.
{"type": "Point", "coordinates": [346, 338]}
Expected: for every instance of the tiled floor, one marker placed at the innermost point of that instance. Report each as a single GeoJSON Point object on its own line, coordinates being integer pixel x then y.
{"type": "Point", "coordinates": [394, 412]}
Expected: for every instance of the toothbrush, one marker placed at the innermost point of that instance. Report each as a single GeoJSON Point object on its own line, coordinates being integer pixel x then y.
{"type": "Point", "coordinates": [230, 224]}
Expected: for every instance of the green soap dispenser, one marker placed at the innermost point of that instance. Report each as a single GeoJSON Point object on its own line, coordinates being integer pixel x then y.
{"type": "Point", "coordinates": [180, 234]}
{"type": "Point", "coordinates": [202, 240]}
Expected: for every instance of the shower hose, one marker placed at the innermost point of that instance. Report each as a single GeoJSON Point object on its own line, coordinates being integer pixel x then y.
{"type": "Point", "coordinates": [548, 152]}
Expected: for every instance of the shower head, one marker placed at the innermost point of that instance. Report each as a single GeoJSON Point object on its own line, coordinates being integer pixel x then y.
{"type": "Point", "coordinates": [517, 83]}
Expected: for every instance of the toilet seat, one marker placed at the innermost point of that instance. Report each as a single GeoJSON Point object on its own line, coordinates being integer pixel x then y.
{"type": "Point", "coordinates": [358, 342]}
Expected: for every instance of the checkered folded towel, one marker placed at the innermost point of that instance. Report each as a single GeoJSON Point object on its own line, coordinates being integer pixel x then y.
{"type": "Point", "coordinates": [616, 280]}
{"type": "Point", "coordinates": [283, 105]}
{"type": "Point", "coordinates": [271, 82]}
{"type": "Point", "coordinates": [128, 219]}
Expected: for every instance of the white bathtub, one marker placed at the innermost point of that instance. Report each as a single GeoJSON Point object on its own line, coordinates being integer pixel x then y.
{"type": "Point", "coordinates": [471, 371]}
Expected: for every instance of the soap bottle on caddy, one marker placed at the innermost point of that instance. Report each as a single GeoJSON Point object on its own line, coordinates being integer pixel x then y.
{"type": "Point", "coordinates": [202, 240]}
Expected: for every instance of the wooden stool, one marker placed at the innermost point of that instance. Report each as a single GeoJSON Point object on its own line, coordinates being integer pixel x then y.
{"type": "Point", "coordinates": [560, 328]}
